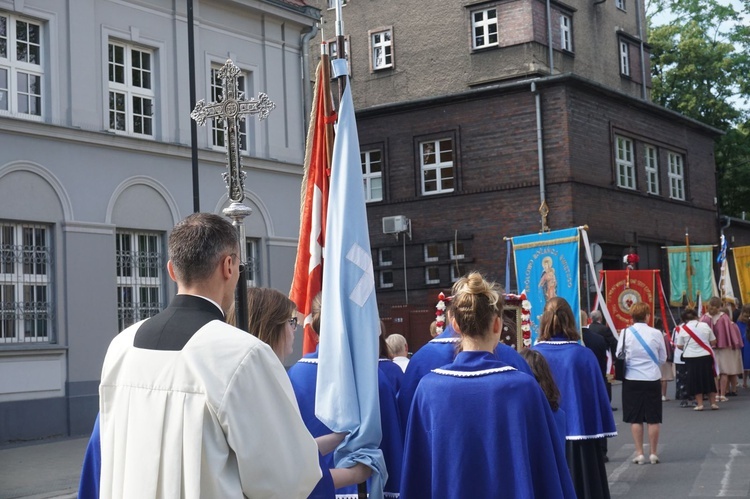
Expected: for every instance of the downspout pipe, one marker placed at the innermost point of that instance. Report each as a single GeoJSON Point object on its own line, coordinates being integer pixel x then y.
{"type": "Point", "coordinates": [307, 35]}
{"type": "Point", "coordinates": [639, 22]}
{"type": "Point", "coordinates": [550, 51]}
{"type": "Point", "coordinates": [539, 143]}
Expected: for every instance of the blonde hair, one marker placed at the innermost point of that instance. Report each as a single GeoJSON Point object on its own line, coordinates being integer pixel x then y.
{"type": "Point", "coordinates": [639, 311]}
{"type": "Point", "coordinates": [396, 343]}
{"type": "Point", "coordinates": [475, 304]}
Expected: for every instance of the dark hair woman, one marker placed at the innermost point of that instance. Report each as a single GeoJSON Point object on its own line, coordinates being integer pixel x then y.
{"type": "Point", "coordinates": [583, 398]}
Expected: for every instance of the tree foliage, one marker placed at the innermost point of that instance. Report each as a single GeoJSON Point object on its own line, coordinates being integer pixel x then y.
{"type": "Point", "coordinates": [700, 64]}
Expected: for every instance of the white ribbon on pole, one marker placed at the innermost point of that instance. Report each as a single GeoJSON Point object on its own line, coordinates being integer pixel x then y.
{"type": "Point", "coordinates": [599, 297]}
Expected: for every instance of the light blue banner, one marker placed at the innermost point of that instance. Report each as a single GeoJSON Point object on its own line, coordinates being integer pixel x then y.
{"type": "Point", "coordinates": [547, 266]}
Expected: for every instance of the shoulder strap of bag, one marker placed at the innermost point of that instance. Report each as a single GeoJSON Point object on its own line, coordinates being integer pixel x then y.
{"type": "Point", "coordinates": [644, 345]}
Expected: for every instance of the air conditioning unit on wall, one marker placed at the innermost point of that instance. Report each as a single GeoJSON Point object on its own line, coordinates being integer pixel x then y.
{"type": "Point", "coordinates": [395, 225]}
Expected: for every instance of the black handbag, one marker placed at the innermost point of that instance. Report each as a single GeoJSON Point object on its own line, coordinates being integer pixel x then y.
{"type": "Point", "coordinates": [620, 361]}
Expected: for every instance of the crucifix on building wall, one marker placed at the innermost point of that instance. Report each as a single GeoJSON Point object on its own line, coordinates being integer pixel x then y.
{"type": "Point", "coordinates": [232, 108]}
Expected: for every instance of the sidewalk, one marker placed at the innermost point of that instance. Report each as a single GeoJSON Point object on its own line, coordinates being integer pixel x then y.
{"type": "Point", "coordinates": [45, 470]}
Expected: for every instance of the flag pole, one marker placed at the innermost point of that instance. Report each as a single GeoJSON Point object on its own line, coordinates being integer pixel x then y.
{"type": "Point", "coordinates": [341, 54]}
{"type": "Point", "coordinates": [340, 46]}
{"type": "Point", "coordinates": [689, 270]}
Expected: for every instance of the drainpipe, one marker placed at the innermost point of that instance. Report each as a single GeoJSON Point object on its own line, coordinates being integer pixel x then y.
{"type": "Point", "coordinates": [305, 61]}
{"type": "Point", "coordinates": [549, 41]}
{"type": "Point", "coordinates": [543, 209]}
{"type": "Point", "coordinates": [639, 22]}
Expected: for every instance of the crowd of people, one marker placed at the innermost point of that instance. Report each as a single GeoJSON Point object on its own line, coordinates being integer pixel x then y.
{"type": "Point", "coordinates": [192, 406]}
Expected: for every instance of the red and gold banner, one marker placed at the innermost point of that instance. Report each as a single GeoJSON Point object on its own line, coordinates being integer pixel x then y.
{"type": "Point", "coordinates": [625, 288]}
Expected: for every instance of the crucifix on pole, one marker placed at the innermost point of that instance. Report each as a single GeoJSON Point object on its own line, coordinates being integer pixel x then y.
{"type": "Point", "coordinates": [232, 108]}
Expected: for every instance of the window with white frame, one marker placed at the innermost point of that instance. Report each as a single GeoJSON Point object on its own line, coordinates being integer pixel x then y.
{"type": "Point", "coordinates": [131, 94]}
{"type": "Point", "coordinates": [386, 278]}
{"type": "Point", "coordinates": [252, 264]}
{"type": "Point", "coordinates": [385, 256]}
{"type": "Point", "coordinates": [381, 49]}
{"type": "Point", "coordinates": [26, 283]}
{"type": "Point", "coordinates": [676, 176]}
{"type": "Point", "coordinates": [432, 275]}
{"type": "Point", "coordinates": [456, 250]}
{"type": "Point", "coordinates": [436, 157]}
{"type": "Point", "coordinates": [625, 164]}
{"type": "Point", "coordinates": [218, 139]}
{"type": "Point", "coordinates": [484, 28]}
{"type": "Point", "coordinates": [21, 69]}
{"type": "Point", "coordinates": [431, 252]}
{"type": "Point", "coordinates": [140, 276]}
{"type": "Point", "coordinates": [566, 37]}
{"type": "Point", "coordinates": [372, 175]}
{"type": "Point", "coordinates": [624, 58]}
{"type": "Point", "coordinates": [652, 169]}
{"type": "Point", "coordinates": [620, 4]}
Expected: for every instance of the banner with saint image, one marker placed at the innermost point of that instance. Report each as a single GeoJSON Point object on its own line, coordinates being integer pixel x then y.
{"type": "Point", "coordinates": [547, 266]}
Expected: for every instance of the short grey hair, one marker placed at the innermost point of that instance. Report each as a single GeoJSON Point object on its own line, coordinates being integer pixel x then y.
{"type": "Point", "coordinates": [596, 316]}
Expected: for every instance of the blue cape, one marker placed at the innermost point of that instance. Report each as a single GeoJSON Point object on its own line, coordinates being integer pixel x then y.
{"type": "Point", "coordinates": [304, 375]}
{"type": "Point", "coordinates": [88, 487]}
{"type": "Point", "coordinates": [479, 428]}
{"type": "Point", "coordinates": [392, 372]}
{"type": "Point", "coordinates": [583, 395]}
{"type": "Point", "coordinates": [438, 352]}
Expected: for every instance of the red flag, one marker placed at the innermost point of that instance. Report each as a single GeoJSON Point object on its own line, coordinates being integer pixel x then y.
{"type": "Point", "coordinates": [307, 282]}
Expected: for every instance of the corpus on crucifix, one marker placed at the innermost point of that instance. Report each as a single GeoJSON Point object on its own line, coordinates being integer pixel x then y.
{"type": "Point", "coordinates": [232, 108]}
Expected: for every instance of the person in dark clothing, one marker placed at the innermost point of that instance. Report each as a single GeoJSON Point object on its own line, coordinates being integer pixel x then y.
{"type": "Point", "coordinates": [598, 345]}
{"type": "Point", "coordinates": [597, 326]}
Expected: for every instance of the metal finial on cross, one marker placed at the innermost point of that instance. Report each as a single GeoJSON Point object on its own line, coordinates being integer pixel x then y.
{"type": "Point", "coordinates": [232, 108]}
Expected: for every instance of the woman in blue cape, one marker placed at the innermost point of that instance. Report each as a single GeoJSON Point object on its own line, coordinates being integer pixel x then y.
{"type": "Point", "coordinates": [304, 376]}
{"type": "Point", "coordinates": [479, 427]}
{"type": "Point", "coordinates": [438, 352]}
{"type": "Point", "coordinates": [583, 398]}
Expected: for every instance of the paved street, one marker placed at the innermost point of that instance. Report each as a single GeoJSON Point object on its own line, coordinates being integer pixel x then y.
{"type": "Point", "coordinates": [703, 454]}
{"type": "Point", "coordinates": [41, 470]}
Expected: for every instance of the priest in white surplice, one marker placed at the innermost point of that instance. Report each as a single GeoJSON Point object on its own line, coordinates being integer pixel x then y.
{"type": "Point", "coordinates": [192, 407]}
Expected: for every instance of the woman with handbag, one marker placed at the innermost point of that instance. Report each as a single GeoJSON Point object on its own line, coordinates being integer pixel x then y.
{"type": "Point", "coordinates": [695, 342]}
{"type": "Point", "coordinates": [645, 352]}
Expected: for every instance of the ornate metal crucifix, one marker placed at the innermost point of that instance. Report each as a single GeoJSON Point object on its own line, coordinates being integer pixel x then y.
{"type": "Point", "coordinates": [232, 109]}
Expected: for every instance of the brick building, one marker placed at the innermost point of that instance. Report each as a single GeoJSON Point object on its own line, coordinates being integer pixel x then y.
{"type": "Point", "coordinates": [465, 134]}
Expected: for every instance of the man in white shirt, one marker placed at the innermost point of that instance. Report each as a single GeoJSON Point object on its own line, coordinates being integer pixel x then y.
{"type": "Point", "coordinates": [399, 350]}
{"type": "Point", "coordinates": [193, 407]}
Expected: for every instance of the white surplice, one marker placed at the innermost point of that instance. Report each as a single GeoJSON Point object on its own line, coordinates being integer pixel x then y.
{"type": "Point", "coordinates": [216, 419]}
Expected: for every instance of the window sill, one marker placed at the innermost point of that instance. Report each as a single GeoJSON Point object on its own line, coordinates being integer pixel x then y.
{"type": "Point", "coordinates": [16, 349]}
{"type": "Point", "coordinates": [476, 50]}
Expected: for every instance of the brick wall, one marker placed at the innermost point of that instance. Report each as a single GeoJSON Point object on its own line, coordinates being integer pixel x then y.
{"type": "Point", "coordinates": [498, 178]}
